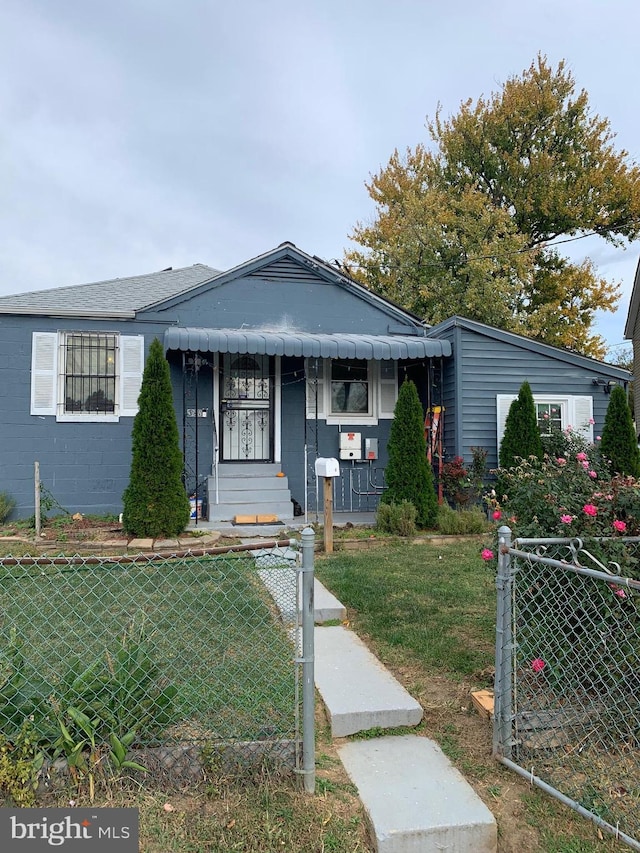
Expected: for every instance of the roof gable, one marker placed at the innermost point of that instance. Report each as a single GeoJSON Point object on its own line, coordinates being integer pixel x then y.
{"type": "Point", "coordinates": [287, 263]}
{"type": "Point", "coordinates": [634, 306]}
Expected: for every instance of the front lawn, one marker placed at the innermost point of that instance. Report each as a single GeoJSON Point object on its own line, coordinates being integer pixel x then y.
{"type": "Point", "coordinates": [435, 604]}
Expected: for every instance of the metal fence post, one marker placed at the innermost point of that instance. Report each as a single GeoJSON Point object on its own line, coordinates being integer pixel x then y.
{"type": "Point", "coordinates": [503, 689]}
{"type": "Point", "coordinates": [308, 686]}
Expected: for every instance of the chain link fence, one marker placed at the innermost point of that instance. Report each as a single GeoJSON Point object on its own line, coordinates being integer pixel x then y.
{"type": "Point", "coordinates": [175, 662]}
{"type": "Point", "coordinates": [567, 685]}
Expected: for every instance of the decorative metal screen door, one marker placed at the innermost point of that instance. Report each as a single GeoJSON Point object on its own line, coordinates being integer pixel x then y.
{"type": "Point", "coordinates": [246, 411]}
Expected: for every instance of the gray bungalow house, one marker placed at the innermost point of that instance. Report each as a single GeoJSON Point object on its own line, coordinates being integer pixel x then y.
{"type": "Point", "coordinates": [274, 363]}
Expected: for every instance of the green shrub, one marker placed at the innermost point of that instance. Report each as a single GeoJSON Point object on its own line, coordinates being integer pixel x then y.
{"type": "Point", "coordinates": [20, 763]}
{"type": "Point", "coordinates": [453, 522]}
{"type": "Point", "coordinates": [398, 519]}
{"type": "Point", "coordinates": [155, 501]}
{"type": "Point", "coordinates": [521, 437]}
{"type": "Point", "coordinates": [619, 443]}
{"type": "Point", "coordinates": [408, 474]}
{"type": "Point", "coordinates": [7, 504]}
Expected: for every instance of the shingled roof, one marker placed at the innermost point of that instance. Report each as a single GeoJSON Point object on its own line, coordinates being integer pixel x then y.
{"type": "Point", "coordinates": [118, 297]}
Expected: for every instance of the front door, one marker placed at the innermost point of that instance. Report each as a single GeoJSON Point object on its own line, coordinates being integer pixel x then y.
{"type": "Point", "coordinates": [246, 408]}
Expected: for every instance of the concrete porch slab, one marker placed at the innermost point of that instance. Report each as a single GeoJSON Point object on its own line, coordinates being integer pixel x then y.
{"type": "Point", "coordinates": [416, 801]}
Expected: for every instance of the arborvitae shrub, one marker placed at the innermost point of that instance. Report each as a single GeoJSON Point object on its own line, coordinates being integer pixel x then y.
{"type": "Point", "coordinates": [521, 433]}
{"type": "Point", "coordinates": [619, 444]}
{"type": "Point", "coordinates": [155, 501]}
{"type": "Point", "coordinates": [408, 474]}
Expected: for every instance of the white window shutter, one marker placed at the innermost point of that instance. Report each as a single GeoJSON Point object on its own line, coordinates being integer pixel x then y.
{"type": "Point", "coordinates": [388, 388]}
{"type": "Point", "coordinates": [315, 388]}
{"type": "Point", "coordinates": [131, 368]}
{"type": "Point", "coordinates": [44, 373]}
{"type": "Point", "coordinates": [503, 402]}
{"type": "Point", "coordinates": [580, 413]}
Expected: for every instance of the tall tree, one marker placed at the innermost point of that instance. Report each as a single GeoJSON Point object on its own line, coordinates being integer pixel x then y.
{"type": "Point", "coordinates": [619, 444]}
{"type": "Point", "coordinates": [408, 474]}
{"type": "Point", "coordinates": [155, 502]}
{"type": "Point", "coordinates": [468, 225]}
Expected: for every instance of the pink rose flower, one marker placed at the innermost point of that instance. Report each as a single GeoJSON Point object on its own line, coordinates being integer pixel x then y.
{"type": "Point", "coordinates": [537, 664]}
{"type": "Point", "coordinates": [593, 475]}
{"type": "Point", "coordinates": [585, 464]}
{"type": "Point", "coordinates": [620, 526]}
{"type": "Point", "coordinates": [566, 519]}
{"type": "Point", "coordinates": [590, 509]}
{"type": "Point", "coordinates": [598, 438]}
{"type": "Point", "coordinates": [561, 461]}
{"type": "Point", "coordinates": [497, 515]}
{"type": "Point", "coordinates": [617, 591]}
{"type": "Point", "coordinates": [487, 554]}
{"type": "Point", "coordinates": [591, 421]}
{"type": "Point", "coordinates": [581, 456]}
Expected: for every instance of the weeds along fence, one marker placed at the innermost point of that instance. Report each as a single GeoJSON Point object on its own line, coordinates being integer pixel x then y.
{"type": "Point", "coordinates": [186, 660]}
{"type": "Point", "coordinates": [567, 684]}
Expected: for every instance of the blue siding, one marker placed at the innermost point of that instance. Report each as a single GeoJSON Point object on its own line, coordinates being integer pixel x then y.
{"type": "Point", "coordinates": [85, 466]}
{"type": "Point", "coordinates": [488, 367]}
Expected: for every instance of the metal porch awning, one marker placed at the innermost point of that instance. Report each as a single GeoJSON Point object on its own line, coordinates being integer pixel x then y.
{"type": "Point", "coordinates": [307, 344]}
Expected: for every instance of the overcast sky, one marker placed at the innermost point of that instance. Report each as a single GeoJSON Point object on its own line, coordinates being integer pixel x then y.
{"type": "Point", "coordinates": [142, 134]}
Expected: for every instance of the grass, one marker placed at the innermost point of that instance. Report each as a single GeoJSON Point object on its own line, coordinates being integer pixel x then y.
{"type": "Point", "coordinates": [438, 611]}
{"type": "Point", "coordinates": [428, 612]}
{"type": "Point", "coordinates": [209, 621]}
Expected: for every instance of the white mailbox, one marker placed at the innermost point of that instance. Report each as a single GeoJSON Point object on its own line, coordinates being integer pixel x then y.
{"type": "Point", "coordinates": [327, 467]}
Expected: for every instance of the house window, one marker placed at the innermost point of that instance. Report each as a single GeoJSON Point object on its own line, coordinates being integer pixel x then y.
{"type": "Point", "coordinates": [351, 391]}
{"type": "Point", "coordinates": [86, 376]}
{"type": "Point", "coordinates": [549, 417]}
{"type": "Point", "coordinates": [90, 373]}
{"type": "Point", "coordinates": [571, 411]}
{"type": "Point", "coordinates": [350, 387]}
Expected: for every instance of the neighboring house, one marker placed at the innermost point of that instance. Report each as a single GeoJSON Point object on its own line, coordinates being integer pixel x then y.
{"type": "Point", "coordinates": [632, 333]}
{"type": "Point", "coordinates": [274, 363]}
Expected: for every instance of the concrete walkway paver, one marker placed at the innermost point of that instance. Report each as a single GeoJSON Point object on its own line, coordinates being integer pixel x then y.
{"type": "Point", "coordinates": [358, 691]}
{"type": "Point", "coordinates": [417, 802]}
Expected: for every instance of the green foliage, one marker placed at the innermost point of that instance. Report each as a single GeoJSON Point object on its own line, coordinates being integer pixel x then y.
{"type": "Point", "coordinates": [7, 503]}
{"type": "Point", "coordinates": [453, 522]}
{"type": "Point", "coordinates": [397, 519]}
{"type": "Point", "coordinates": [105, 707]}
{"type": "Point", "coordinates": [155, 502]}
{"type": "Point", "coordinates": [408, 473]}
{"type": "Point", "coordinates": [619, 443]}
{"type": "Point", "coordinates": [464, 224]}
{"type": "Point", "coordinates": [521, 437]}
{"type": "Point", "coordinates": [20, 763]}
{"type": "Point", "coordinates": [460, 484]}
{"type": "Point", "coordinates": [573, 495]}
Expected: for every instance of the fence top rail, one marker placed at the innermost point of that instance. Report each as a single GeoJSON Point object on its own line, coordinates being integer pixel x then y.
{"type": "Point", "coordinates": [572, 567]}
{"type": "Point", "coordinates": [141, 558]}
{"type": "Point", "coordinates": [567, 540]}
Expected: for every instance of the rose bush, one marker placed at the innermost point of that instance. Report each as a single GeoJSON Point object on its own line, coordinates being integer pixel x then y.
{"type": "Point", "coordinates": [570, 493]}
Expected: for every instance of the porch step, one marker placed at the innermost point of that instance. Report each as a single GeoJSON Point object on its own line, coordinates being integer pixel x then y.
{"type": "Point", "coordinates": [415, 799]}
{"type": "Point", "coordinates": [250, 489]}
{"type": "Point", "coordinates": [357, 690]}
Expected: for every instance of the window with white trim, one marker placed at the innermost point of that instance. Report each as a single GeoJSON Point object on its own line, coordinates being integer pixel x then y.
{"type": "Point", "coordinates": [86, 376]}
{"type": "Point", "coordinates": [570, 411]}
{"type": "Point", "coordinates": [351, 391]}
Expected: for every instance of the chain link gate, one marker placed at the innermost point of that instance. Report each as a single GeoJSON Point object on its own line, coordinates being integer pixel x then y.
{"type": "Point", "coordinates": [190, 661]}
{"type": "Point", "coordinates": [567, 683]}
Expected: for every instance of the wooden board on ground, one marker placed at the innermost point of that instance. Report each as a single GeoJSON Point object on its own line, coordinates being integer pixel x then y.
{"type": "Point", "coordinates": [483, 703]}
